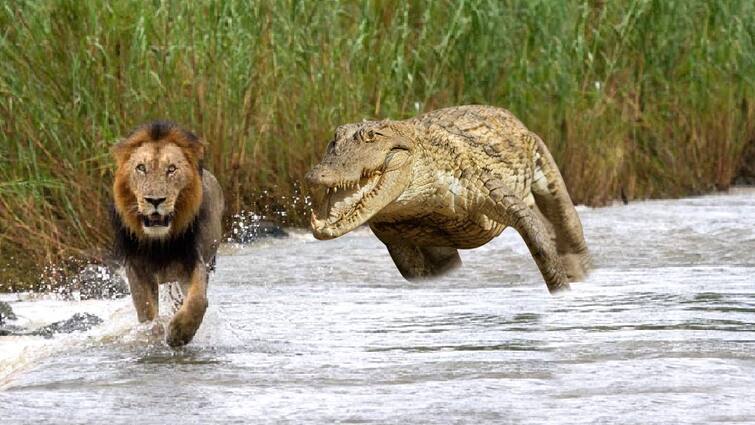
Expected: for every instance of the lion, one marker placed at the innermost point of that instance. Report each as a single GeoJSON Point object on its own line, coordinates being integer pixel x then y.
{"type": "Point", "coordinates": [167, 213]}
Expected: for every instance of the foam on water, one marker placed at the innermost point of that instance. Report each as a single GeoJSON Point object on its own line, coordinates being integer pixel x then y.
{"type": "Point", "coordinates": [20, 352]}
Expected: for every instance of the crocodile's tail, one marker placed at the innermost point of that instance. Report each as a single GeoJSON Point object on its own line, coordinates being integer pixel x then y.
{"type": "Point", "coordinates": [553, 201]}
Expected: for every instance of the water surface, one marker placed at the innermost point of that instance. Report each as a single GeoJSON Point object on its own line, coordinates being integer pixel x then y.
{"type": "Point", "coordinates": [301, 331]}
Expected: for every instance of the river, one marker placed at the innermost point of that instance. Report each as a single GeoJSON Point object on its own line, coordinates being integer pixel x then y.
{"type": "Point", "coordinates": [301, 331]}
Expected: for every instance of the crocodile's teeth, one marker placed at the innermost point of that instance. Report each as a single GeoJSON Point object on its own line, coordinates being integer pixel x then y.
{"type": "Point", "coordinates": [316, 223]}
{"type": "Point", "coordinates": [348, 206]}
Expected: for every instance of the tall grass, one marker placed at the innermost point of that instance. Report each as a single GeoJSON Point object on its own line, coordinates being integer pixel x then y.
{"type": "Point", "coordinates": [647, 98]}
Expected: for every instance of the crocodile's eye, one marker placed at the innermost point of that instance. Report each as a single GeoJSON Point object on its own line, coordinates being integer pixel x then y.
{"type": "Point", "coordinates": [141, 168]}
{"type": "Point", "coordinates": [367, 136]}
{"type": "Point", "coordinates": [171, 169]}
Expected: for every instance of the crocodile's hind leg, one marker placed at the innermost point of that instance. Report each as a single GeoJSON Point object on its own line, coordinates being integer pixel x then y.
{"type": "Point", "coordinates": [554, 203]}
{"type": "Point", "coordinates": [422, 262]}
{"type": "Point", "coordinates": [503, 206]}
{"type": "Point", "coordinates": [530, 201]}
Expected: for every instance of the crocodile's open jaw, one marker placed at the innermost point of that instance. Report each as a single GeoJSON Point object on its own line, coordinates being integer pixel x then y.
{"type": "Point", "coordinates": [348, 205]}
{"type": "Point", "coordinates": [364, 170]}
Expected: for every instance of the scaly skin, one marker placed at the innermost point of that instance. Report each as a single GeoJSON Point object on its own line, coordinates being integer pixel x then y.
{"type": "Point", "coordinates": [446, 180]}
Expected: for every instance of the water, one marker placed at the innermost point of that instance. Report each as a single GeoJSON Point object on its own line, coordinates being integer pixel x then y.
{"type": "Point", "coordinates": [301, 331]}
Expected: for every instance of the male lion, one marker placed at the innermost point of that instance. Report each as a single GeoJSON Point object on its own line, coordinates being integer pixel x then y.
{"type": "Point", "coordinates": [167, 220]}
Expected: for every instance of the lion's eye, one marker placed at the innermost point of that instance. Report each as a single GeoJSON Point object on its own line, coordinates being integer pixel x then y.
{"type": "Point", "coordinates": [171, 169]}
{"type": "Point", "coordinates": [141, 168]}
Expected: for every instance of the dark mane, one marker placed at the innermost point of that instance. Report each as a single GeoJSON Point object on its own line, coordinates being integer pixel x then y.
{"type": "Point", "coordinates": [160, 129]}
{"type": "Point", "coordinates": [179, 249]}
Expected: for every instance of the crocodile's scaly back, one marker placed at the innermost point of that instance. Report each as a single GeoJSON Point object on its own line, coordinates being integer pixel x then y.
{"type": "Point", "coordinates": [478, 139]}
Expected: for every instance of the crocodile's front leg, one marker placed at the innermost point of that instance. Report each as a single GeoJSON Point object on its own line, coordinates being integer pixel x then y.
{"type": "Point", "coordinates": [505, 207]}
{"type": "Point", "coordinates": [423, 262]}
{"type": "Point", "coordinates": [416, 262]}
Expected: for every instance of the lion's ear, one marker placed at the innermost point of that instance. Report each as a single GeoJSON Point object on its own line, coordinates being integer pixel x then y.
{"type": "Point", "coordinates": [121, 150]}
{"type": "Point", "coordinates": [196, 150]}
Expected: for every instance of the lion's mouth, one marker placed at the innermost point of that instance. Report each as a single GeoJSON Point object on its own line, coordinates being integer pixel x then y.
{"type": "Point", "coordinates": [157, 220]}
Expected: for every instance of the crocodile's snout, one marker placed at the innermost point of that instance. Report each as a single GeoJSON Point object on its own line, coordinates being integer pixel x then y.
{"type": "Point", "coordinates": [320, 176]}
{"type": "Point", "coordinates": [327, 176]}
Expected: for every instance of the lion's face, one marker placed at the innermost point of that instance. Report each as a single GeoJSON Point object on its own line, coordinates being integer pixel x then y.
{"type": "Point", "coordinates": [158, 188]}
{"type": "Point", "coordinates": [158, 174]}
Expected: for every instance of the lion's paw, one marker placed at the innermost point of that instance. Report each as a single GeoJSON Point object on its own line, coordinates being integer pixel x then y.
{"type": "Point", "coordinates": [180, 331]}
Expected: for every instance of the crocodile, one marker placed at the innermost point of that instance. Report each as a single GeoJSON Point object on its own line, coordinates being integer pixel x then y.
{"type": "Point", "coordinates": [450, 179]}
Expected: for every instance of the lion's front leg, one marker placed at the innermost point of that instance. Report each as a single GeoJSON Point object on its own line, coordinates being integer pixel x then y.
{"type": "Point", "coordinates": [187, 319]}
{"type": "Point", "coordinates": [144, 289]}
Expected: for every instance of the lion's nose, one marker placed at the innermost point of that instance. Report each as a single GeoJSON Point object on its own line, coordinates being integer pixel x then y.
{"type": "Point", "coordinates": [155, 201]}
